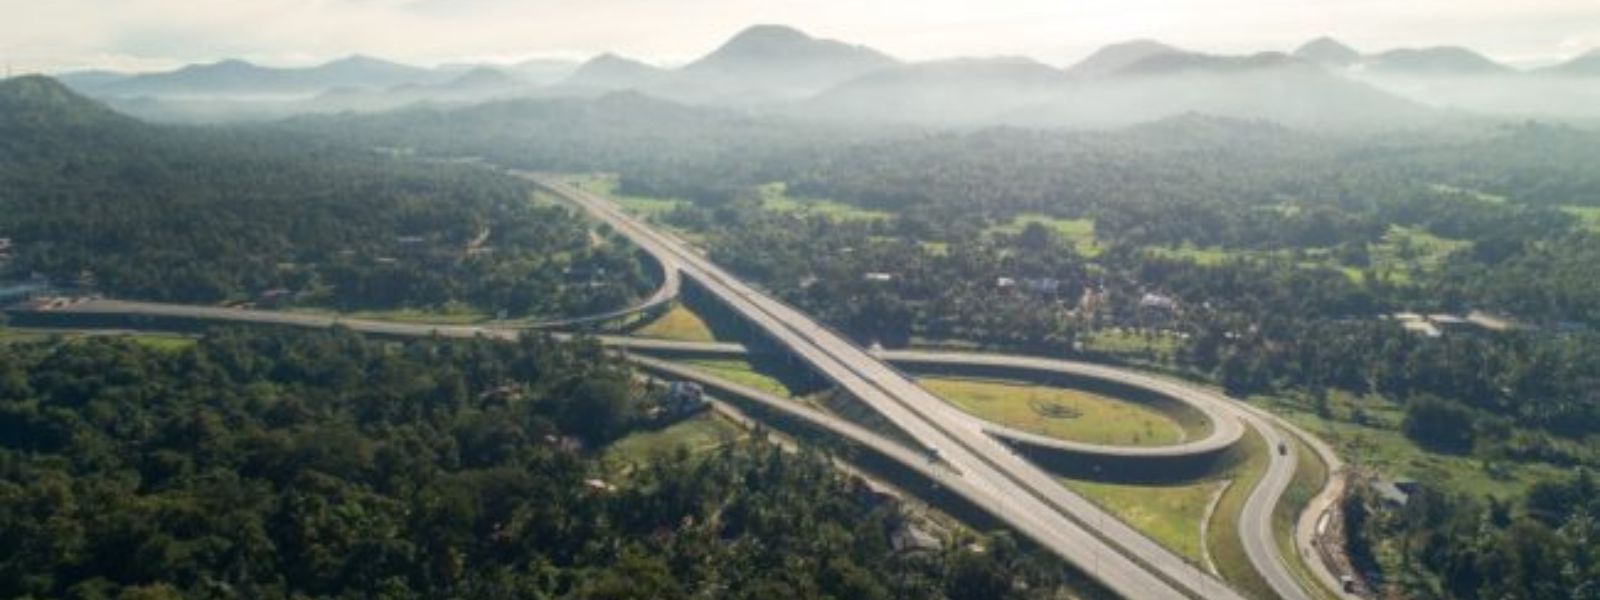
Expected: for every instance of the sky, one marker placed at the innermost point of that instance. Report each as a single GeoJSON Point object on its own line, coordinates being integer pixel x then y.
{"type": "Point", "coordinates": [57, 35]}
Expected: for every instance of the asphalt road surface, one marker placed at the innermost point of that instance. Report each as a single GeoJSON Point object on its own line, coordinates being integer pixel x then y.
{"type": "Point", "coordinates": [1009, 487]}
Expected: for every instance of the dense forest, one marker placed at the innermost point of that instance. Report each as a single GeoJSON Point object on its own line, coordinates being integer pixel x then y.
{"type": "Point", "coordinates": [261, 464]}
{"type": "Point", "coordinates": [1191, 181]}
{"type": "Point", "coordinates": [1472, 549]}
{"type": "Point", "coordinates": [93, 199]}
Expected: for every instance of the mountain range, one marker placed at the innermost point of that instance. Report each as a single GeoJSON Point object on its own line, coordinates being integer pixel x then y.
{"type": "Point", "coordinates": [773, 68]}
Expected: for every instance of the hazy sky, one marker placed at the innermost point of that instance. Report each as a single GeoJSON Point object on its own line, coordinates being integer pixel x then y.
{"type": "Point", "coordinates": [43, 35]}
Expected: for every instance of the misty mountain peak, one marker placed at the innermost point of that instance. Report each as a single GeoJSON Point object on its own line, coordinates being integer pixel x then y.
{"type": "Point", "coordinates": [759, 36]}
{"type": "Point", "coordinates": [768, 63]}
{"type": "Point", "coordinates": [363, 64]}
{"type": "Point", "coordinates": [358, 60]}
{"type": "Point", "coordinates": [612, 60]}
{"type": "Point", "coordinates": [37, 102]}
{"type": "Point", "coordinates": [1188, 62]}
{"type": "Point", "coordinates": [1328, 51]}
{"type": "Point", "coordinates": [1116, 57]}
{"type": "Point", "coordinates": [784, 44]}
{"type": "Point", "coordinates": [482, 77]}
{"type": "Point", "coordinates": [222, 66]}
{"type": "Point", "coordinates": [613, 72]}
{"type": "Point", "coordinates": [1585, 65]}
{"type": "Point", "coordinates": [1435, 61]}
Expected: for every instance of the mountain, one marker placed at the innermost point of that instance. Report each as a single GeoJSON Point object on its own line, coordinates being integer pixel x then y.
{"type": "Point", "coordinates": [1328, 52]}
{"type": "Point", "coordinates": [39, 103]}
{"type": "Point", "coordinates": [222, 76]}
{"type": "Point", "coordinates": [609, 72]}
{"type": "Point", "coordinates": [482, 78]}
{"type": "Point", "coordinates": [86, 81]}
{"type": "Point", "coordinates": [543, 71]}
{"type": "Point", "coordinates": [1270, 87]}
{"type": "Point", "coordinates": [362, 71]}
{"type": "Point", "coordinates": [1587, 65]}
{"type": "Point", "coordinates": [237, 77]}
{"type": "Point", "coordinates": [48, 130]}
{"type": "Point", "coordinates": [1188, 62]}
{"type": "Point", "coordinates": [1117, 57]}
{"type": "Point", "coordinates": [962, 91]}
{"type": "Point", "coordinates": [772, 63]}
{"type": "Point", "coordinates": [1441, 61]}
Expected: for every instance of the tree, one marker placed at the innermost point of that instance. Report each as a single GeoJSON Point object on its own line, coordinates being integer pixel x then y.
{"type": "Point", "coordinates": [1439, 424]}
{"type": "Point", "coordinates": [600, 408]}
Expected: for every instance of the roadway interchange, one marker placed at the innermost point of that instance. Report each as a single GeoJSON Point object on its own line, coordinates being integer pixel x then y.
{"type": "Point", "coordinates": [970, 462]}
{"type": "Point", "coordinates": [1226, 415]}
{"type": "Point", "coordinates": [1009, 487]}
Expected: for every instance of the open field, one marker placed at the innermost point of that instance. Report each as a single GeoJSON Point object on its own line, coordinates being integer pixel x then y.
{"type": "Point", "coordinates": [740, 371]}
{"type": "Point", "coordinates": [1169, 514]}
{"type": "Point", "coordinates": [1405, 252]}
{"type": "Point", "coordinates": [681, 324]}
{"type": "Point", "coordinates": [1468, 194]}
{"type": "Point", "coordinates": [606, 185]}
{"type": "Point", "coordinates": [1208, 257]}
{"type": "Point", "coordinates": [701, 433]}
{"type": "Point", "coordinates": [1380, 447]}
{"type": "Point", "coordinates": [1062, 413]}
{"type": "Point", "coordinates": [17, 336]}
{"type": "Point", "coordinates": [1588, 215]}
{"type": "Point", "coordinates": [775, 197]}
{"type": "Point", "coordinates": [1123, 341]}
{"type": "Point", "coordinates": [1078, 232]}
{"type": "Point", "coordinates": [1308, 258]}
{"type": "Point", "coordinates": [158, 341]}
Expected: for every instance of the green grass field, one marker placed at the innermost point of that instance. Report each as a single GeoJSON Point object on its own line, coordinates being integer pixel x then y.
{"type": "Point", "coordinates": [741, 372]}
{"type": "Point", "coordinates": [1120, 341]}
{"type": "Point", "coordinates": [775, 197]}
{"type": "Point", "coordinates": [1406, 252]}
{"type": "Point", "coordinates": [681, 324]}
{"type": "Point", "coordinates": [1468, 194]}
{"type": "Point", "coordinates": [1169, 514]}
{"type": "Point", "coordinates": [19, 336]}
{"type": "Point", "coordinates": [170, 342]}
{"type": "Point", "coordinates": [1589, 216]}
{"type": "Point", "coordinates": [1078, 232]}
{"type": "Point", "coordinates": [1059, 412]}
{"type": "Point", "coordinates": [1208, 257]}
{"type": "Point", "coordinates": [698, 434]}
{"type": "Point", "coordinates": [165, 342]}
{"type": "Point", "coordinates": [1310, 258]}
{"type": "Point", "coordinates": [1381, 447]}
{"type": "Point", "coordinates": [606, 185]}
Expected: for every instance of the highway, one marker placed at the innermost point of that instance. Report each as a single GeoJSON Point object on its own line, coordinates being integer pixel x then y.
{"type": "Point", "coordinates": [1225, 414]}
{"type": "Point", "coordinates": [978, 467]}
{"type": "Point", "coordinates": [1009, 487]}
{"type": "Point", "coordinates": [667, 291]}
{"type": "Point", "coordinates": [1255, 524]}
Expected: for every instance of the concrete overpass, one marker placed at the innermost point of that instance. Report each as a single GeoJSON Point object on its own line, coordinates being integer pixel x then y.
{"type": "Point", "coordinates": [1009, 487]}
